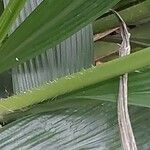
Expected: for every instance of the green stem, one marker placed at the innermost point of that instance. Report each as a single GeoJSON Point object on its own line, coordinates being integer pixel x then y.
{"type": "Point", "coordinates": [77, 81]}
{"type": "Point", "coordinates": [130, 15]}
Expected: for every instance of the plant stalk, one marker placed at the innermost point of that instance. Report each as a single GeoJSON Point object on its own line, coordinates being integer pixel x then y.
{"type": "Point", "coordinates": [126, 132]}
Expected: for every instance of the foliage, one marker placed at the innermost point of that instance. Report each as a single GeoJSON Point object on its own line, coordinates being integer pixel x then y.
{"type": "Point", "coordinates": [77, 111]}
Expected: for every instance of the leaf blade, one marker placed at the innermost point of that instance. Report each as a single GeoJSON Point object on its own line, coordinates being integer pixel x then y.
{"type": "Point", "coordinates": [92, 126]}
{"type": "Point", "coordinates": [77, 81]}
{"type": "Point", "coordinates": [28, 42]}
{"type": "Point", "coordinates": [8, 17]}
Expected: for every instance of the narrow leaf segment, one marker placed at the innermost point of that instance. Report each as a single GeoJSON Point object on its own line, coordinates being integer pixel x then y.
{"type": "Point", "coordinates": [8, 17]}
{"type": "Point", "coordinates": [77, 81]}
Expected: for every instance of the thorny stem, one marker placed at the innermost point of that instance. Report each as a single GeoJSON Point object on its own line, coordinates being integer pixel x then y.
{"type": "Point", "coordinates": [126, 132]}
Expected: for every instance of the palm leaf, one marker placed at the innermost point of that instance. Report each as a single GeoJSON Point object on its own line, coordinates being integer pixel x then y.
{"type": "Point", "coordinates": [8, 17]}
{"type": "Point", "coordinates": [78, 119]}
{"type": "Point", "coordinates": [77, 81]}
{"type": "Point", "coordinates": [27, 42]}
{"type": "Point", "coordinates": [92, 126]}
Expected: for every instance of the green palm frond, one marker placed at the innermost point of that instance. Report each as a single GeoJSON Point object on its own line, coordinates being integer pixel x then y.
{"type": "Point", "coordinates": [72, 107]}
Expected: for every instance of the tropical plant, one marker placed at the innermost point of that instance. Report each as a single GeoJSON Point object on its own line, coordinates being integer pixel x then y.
{"type": "Point", "coordinates": [76, 110]}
